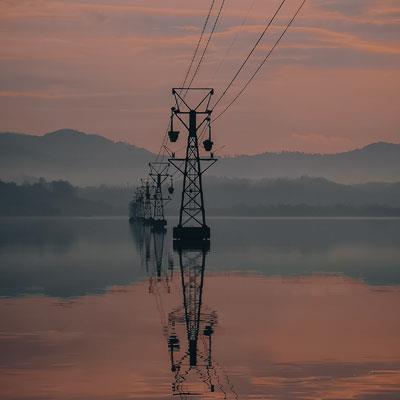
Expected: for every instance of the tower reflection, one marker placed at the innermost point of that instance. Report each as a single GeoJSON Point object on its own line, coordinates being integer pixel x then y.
{"type": "Point", "coordinates": [192, 324]}
{"type": "Point", "coordinates": [189, 327]}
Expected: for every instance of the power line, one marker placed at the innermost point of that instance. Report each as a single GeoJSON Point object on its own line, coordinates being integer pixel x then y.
{"type": "Point", "coordinates": [203, 53]}
{"type": "Point", "coordinates": [234, 40]}
{"type": "Point", "coordinates": [198, 43]}
{"type": "Point", "coordinates": [200, 60]}
{"type": "Point", "coordinates": [207, 44]}
{"type": "Point", "coordinates": [259, 67]}
{"type": "Point", "coordinates": [250, 53]}
{"type": "Point", "coordinates": [262, 63]}
{"type": "Point", "coordinates": [164, 141]}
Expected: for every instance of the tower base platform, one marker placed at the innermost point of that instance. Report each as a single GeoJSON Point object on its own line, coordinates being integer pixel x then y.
{"type": "Point", "coordinates": [158, 225]}
{"type": "Point", "coordinates": [191, 237]}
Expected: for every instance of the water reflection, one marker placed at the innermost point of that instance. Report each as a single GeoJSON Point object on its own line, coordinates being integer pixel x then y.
{"type": "Point", "coordinates": [300, 349]}
{"type": "Point", "coordinates": [263, 315]}
{"type": "Point", "coordinates": [75, 257]}
{"type": "Point", "coordinates": [189, 327]}
{"type": "Point", "coordinates": [277, 337]}
{"type": "Point", "coordinates": [65, 257]}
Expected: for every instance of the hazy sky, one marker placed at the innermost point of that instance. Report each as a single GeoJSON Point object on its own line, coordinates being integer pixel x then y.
{"type": "Point", "coordinates": [107, 67]}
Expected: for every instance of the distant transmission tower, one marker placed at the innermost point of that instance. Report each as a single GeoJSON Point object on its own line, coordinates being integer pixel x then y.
{"type": "Point", "coordinates": [147, 211]}
{"type": "Point", "coordinates": [136, 206]}
{"type": "Point", "coordinates": [192, 217]}
{"type": "Point", "coordinates": [159, 174]}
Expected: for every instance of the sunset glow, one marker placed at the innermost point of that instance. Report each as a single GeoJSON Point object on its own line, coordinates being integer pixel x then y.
{"type": "Point", "coordinates": [107, 67]}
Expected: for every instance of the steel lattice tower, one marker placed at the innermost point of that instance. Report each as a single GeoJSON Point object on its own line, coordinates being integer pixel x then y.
{"type": "Point", "coordinates": [159, 173]}
{"type": "Point", "coordinates": [136, 206]}
{"type": "Point", "coordinates": [140, 204]}
{"type": "Point", "coordinates": [192, 218]}
{"type": "Point", "coordinates": [147, 214]}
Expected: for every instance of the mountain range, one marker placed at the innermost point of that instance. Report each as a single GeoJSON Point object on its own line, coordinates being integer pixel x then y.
{"type": "Point", "coordinates": [86, 159]}
{"type": "Point", "coordinates": [80, 158]}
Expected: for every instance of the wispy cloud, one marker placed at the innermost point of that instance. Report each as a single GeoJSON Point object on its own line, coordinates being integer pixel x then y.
{"type": "Point", "coordinates": [90, 49]}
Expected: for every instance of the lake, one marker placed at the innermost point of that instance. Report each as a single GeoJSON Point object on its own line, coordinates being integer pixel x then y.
{"type": "Point", "coordinates": [96, 308]}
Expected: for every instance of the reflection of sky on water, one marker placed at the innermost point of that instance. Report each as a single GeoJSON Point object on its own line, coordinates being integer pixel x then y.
{"type": "Point", "coordinates": [366, 249]}
{"type": "Point", "coordinates": [72, 257]}
{"type": "Point", "coordinates": [304, 309]}
{"type": "Point", "coordinates": [277, 338]}
{"type": "Point", "coordinates": [66, 257]}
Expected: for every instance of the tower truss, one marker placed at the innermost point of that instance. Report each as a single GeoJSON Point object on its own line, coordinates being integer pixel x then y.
{"type": "Point", "coordinates": [192, 217]}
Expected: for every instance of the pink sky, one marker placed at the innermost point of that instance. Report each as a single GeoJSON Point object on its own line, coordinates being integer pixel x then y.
{"type": "Point", "coordinates": [107, 67]}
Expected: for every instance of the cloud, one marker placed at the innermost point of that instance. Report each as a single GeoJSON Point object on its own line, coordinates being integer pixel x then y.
{"type": "Point", "coordinates": [97, 49]}
{"type": "Point", "coordinates": [353, 7]}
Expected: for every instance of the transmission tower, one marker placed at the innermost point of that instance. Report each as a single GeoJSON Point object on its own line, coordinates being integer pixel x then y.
{"type": "Point", "coordinates": [147, 210]}
{"type": "Point", "coordinates": [159, 174]}
{"type": "Point", "coordinates": [136, 205]}
{"type": "Point", "coordinates": [192, 217]}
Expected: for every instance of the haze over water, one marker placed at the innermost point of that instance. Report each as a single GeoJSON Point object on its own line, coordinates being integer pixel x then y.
{"type": "Point", "coordinates": [299, 309]}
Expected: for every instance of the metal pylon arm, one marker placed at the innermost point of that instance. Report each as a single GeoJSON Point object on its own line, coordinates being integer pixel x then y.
{"type": "Point", "coordinates": [212, 161]}
{"type": "Point", "coordinates": [206, 99]}
{"type": "Point", "coordinates": [163, 171]}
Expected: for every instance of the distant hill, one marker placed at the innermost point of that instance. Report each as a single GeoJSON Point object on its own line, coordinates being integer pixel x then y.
{"type": "Point", "coordinates": [80, 158]}
{"type": "Point", "coordinates": [317, 192]}
{"type": "Point", "coordinates": [85, 159]}
{"type": "Point", "coordinates": [375, 162]}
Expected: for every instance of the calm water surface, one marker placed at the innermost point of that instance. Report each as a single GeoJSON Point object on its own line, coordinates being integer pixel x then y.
{"type": "Point", "coordinates": [277, 309]}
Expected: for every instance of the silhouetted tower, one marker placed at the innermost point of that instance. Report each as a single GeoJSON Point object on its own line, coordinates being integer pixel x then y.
{"type": "Point", "coordinates": [147, 214]}
{"type": "Point", "coordinates": [159, 174]}
{"type": "Point", "coordinates": [136, 206]}
{"type": "Point", "coordinates": [192, 217]}
{"type": "Point", "coordinates": [140, 201]}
